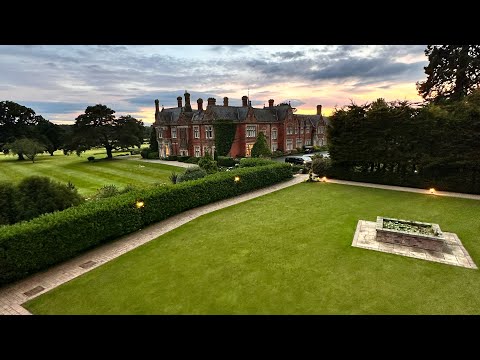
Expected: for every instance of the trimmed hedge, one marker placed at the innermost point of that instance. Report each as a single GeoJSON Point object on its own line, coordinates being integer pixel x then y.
{"type": "Point", "coordinates": [225, 161]}
{"type": "Point", "coordinates": [28, 247]}
{"type": "Point", "coordinates": [190, 174]}
{"type": "Point", "coordinates": [249, 162]}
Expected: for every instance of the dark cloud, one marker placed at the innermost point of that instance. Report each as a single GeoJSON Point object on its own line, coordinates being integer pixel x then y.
{"type": "Point", "coordinates": [223, 48]}
{"type": "Point", "coordinates": [289, 55]}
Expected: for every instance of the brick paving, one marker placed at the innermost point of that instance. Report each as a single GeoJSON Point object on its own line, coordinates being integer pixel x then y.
{"type": "Point", "coordinates": [13, 295]}
{"type": "Point", "coordinates": [453, 251]}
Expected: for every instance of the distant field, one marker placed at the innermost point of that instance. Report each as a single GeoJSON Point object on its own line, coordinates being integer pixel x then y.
{"type": "Point", "coordinates": [86, 176]}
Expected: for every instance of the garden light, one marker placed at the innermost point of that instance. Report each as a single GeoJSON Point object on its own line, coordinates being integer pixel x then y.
{"type": "Point", "coordinates": [140, 204]}
{"type": "Point", "coordinates": [432, 191]}
{"type": "Point", "coordinates": [237, 178]}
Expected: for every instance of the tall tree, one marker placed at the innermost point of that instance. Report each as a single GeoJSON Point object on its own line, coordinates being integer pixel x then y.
{"type": "Point", "coordinates": [260, 148]}
{"type": "Point", "coordinates": [50, 134]}
{"type": "Point", "coordinates": [452, 73]}
{"type": "Point", "coordinates": [15, 122]}
{"type": "Point", "coordinates": [153, 140]}
{"type": "Point", "coordinates": [99, 127]}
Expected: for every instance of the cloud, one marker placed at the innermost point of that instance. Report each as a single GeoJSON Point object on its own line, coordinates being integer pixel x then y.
{"type": "Point", "coordinates": [289, 55]}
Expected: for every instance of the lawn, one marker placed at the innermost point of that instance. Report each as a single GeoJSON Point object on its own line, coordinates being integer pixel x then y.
{"type": "Point", "coordinates": [288, 252]}
{"type": "Point", "coordinates": [86, 176]}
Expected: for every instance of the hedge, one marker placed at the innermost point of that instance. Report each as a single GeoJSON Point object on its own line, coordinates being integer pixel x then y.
{"type": "Point", "coordinates": [249, 162]}
{"type": "Point", "coordinates": [226, 161]}
{"type": "Point", "coordinates": [28, 247]}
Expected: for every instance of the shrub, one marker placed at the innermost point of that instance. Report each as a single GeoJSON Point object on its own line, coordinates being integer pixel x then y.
{"type": "Point", "coordinates": [249, 162]}
{"type": "Point", "coordinates": [33, 196]}
{"type": "Point", "coordinates": [172, 157]}
{"type": "Point", "coordinates": [208, 164]}
{"type": "Point", "coordinates": [152, 155]}
{"type": "Point", "coordinates": [91, 158]}
{"type": "Point", "coordinates": [297, 168]}
{"type": "Point", "coordinates": [183, 158]}
{"type": "Point", "coordinates": [32, 246]}
{"type": "Point", "coordinates": [261, 148]}
{"type": "Point", "coordinates": [277, 153]}
{"type": "Point", "coordinates": [144, 153]}
{"type": "Point", "coordinates": [173, 177]}
{"type": "Point", "coordinates": [225, 161]}
{"type": "Point", "coordinates": [192, 160]}
{"type": "Point", "coordinates": [320, 166]}
{"type": "Point", "coordinates": [106, 191]}
{"type": "Point", "coordinates": [191, 174]}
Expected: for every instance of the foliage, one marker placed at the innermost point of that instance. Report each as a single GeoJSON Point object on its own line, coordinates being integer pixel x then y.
{"type": "Point", "coordinates": [173, 177]}
{"type": "Point", "coordinates": [320, 166]}
{"type": "Point", "coordinates": [28, 147]}
{"type": "Point", "coordinates": [91, 158]}
{"type": "Point", "coordinates": [182, 158]}
{"type": "Point", "coordinates": [153, 139]}
{"type": "Point", "coordinates": [249, 162]}
{"type": "Point", "coordinates": [394, 143]}
{"type": "Point", "coordinates": [172, 158]}
{"type": "Point", "coordinates": [35, 245]}
{"type": "Point", "coordinates": [224, 136]}
{"type": "Point", "coordinates": [226, 161]}
{"type": "Point", "coordinates": [99, 127]}
{"type": "Point", "coordinates": [192, 173]}
{"type": "Point", "coordinates": [208, 164]}
{"type": "Point", "coordinates": [144, 153]}
{"type": "Point", "coordinates": [260, 148]}
{"type": "Point", "coordinates": [277, 153]}
{"type": "Point", "coordinates": [106, 191]}
{"type": "Point", "coordinates": [453, 72]}
{"type": "Point", "coordinates": [153, 155]}
{"type": "Point", "coordinates": [16, 121]}
{"type": "Point", "coordinates": [49, 134]}
{"type": "Point", "coordinates": [33, 196]}
{"type": "Point", "coordinates": [193, 160]}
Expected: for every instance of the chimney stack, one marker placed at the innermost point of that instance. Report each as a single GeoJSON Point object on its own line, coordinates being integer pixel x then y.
{"type": "Point", "coordinates": [270, 103]}
{"type": "Point", "coordinates": [225, 101]}
{"type": "Point", "coordinates": [188, 107]}
{"type": "Point", "coordinates": [244, 101]}
{"type": "Point", "coordinates": [211, 101]}
{"type": "Point", "coordinates": [200, 104]}
{"type": "Point", "coordinates": [179, 100]}
{"type": "Point", "coordinates": [157, 107]}
{"type": "Point", "coordinates": [319, 109]}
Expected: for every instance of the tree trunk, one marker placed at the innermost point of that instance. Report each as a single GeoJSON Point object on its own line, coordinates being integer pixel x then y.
{"type": "Point", "coordinates": [109, 152]}
{"type": "Point", "coordinates": [51, 153]}
{"type": "Point", "coordinates": [20, 156]}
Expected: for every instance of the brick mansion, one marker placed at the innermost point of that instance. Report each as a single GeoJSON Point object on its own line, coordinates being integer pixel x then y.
{"type": "Point", "coordinates": [184, 131]}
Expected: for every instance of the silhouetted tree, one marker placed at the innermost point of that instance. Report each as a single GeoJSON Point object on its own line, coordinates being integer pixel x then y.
{"type": "Point", "coordinates": [452, 73]}
{"type": "Point", "coordinates": [153, 140]}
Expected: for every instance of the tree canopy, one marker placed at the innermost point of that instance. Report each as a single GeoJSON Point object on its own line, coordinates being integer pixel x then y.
{"type": "Point", "coordinates": [453, 72]}
{"type": "Point", "coordinates": [99, 127]}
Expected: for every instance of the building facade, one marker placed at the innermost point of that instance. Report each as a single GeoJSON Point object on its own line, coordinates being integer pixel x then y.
{"type": "Point", "coordinates": [187, 132]}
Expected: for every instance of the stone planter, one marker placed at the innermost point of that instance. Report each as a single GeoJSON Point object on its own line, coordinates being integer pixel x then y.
{"type": "Point", "coordinates": [433, 242]}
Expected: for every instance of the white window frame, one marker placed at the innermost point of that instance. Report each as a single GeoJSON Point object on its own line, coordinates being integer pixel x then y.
{"type": "Point", "coordinates": [198, 153]}
{"type": "Point", "coordinates": [308, 142]}
{"type": "Point", "coordinates": [196, 132]}
{"type": "Point", "coordinates": [289, 144]}
{"type": "Point", "coordinates": [274, 134]}
{"type": "Point", "coordinates": [183, 152]}
{"type": "Point", "coordinates": [208, 131]}
{"type": "Point", "coordinates": [160, 133]}
{"type": "Point", "coordinates": [251, 131]}
{"type": "Point", "coordinates": [307, 130]}
{"type": "Point", "coordinates": [206, 150]}
{"type": "Point", "coordinates": [274, 146]}
{"type": "Point", "coordinates": [296, 129]}
{"type": "Point", "coordinates": [299, 141]}
{"type": "Point", "coordinates": [301, 130]}
{"type": "Point", "coordinates": [289, 130]}
{"type": "Point", "coordinates": [174, 132]}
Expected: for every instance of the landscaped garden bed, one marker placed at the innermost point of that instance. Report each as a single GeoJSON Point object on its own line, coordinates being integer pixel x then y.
{"type": "Point", "coordinates": [410, 233]}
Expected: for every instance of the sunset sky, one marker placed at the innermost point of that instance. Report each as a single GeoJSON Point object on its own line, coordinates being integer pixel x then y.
{"type": "Point", "coordinates": [60, 81]}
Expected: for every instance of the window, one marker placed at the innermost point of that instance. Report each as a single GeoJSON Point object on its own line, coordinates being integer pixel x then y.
{"type": "Point", "coordinates": [289, 144]}
{"type": "Point", "coordinates": [209, 131]}
{"type": "Point", "coordinates": [296, 130]}
{"type": "Point", "coordinates": [299, 143]}
{"type": "Point", "coordinates": [174, 132]}
{"type": "Point", "coordinates": [196, 132]}
{"type": "Point", "coordinates": [308, 142]}
{"type": "Point", "coordinates": [197, 151]}
{"type": "Point", "coordinates": [183, 152]}
{"type": "Point", "coordinates": [160, 133]}
{"type": "Point", "coordinates": [274, 134]}
{"type": "Point", "coordinates": [289, 130]}
{"type": "Point", "coordinates": [251, 131]}
{"type": "Point", "coordinates": [274, 147]}
{"type": "Point", "coordinates": [206, 150]}
{"type": "Point", "coordinates": [301, 130]}
{"type": "Point", "coordinates": [307, 130]}
{"type": "Point", "coordinates": [248, 149]}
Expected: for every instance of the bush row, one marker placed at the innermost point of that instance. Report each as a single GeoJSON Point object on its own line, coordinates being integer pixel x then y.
{"type": "Point", "coordinates": [28, 247]}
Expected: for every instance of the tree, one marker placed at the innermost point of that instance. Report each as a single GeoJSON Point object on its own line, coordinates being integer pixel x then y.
{"type": "Point", "coordinates": [99, 127]}
{"type": "Point", "coordinates": [28, 147]}
{"type": "Point", "coordinates": [208, 164]}
{"type": "Point", "coordinates": [453, 72]}
{"type": "Point", "coordinates": [15, 121]}
{"type": "Point", "coordinates": [153, 140]}
{"type": "Point", "coordinates": [260, 148]}
{"type": "Point", "coordinates": [50, 134]}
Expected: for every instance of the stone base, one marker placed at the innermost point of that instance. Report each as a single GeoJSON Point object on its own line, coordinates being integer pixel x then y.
{"type": "Point", "coordinates": [452, 252]}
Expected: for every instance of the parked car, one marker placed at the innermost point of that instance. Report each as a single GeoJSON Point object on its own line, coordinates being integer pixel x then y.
{"type": "Point", "coordinates": [309, 149]}
{"type": "Point", "coordinates": [299, 160]}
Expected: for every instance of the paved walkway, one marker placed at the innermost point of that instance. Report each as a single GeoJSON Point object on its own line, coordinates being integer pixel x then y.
{"type": "Point", "coordinates": [12, 296]}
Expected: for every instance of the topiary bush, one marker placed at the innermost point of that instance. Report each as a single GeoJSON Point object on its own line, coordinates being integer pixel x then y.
{"type": "Point", "coordinates": [225, 161]}
{"type": "Point", "coordinates": [208, 164]}
{"type": "Point", "coordinates": [144, 153]}
{"type": "Point", "coordinates": [191, 174]}
{"type": "Point", "coordinates": [28, 247]}
{"type": "Point", "coordinates": [153, 155]}
{"type": "Point", "coordinates": [249, 162]}
{"type": "Point", "coordinates": [321, 166]}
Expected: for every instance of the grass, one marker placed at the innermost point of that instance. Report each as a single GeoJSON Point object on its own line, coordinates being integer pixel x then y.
{"type": "Point", "coordinates": [86, 176]}
{"type": "Point", "coordinates": [288, 252]}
